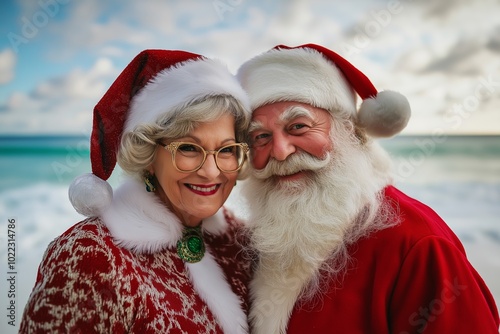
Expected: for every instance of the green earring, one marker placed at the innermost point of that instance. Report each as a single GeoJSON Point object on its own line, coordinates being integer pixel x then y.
{"type": "Point", "coordinates": [149, 180]}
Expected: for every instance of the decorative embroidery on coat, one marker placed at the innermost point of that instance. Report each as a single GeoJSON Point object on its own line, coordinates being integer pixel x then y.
{"type": "Point", "coordinates": [87, 284]}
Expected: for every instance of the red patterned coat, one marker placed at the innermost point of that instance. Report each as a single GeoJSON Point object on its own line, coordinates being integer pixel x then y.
{"type": "Point", "coordinates": [120, 273]}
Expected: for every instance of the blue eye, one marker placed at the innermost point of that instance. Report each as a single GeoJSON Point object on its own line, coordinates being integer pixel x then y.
{"type": "Point", "coordinates": [261, 139]}
{"type": "Point", "coordinates": [261, 136]}
{"type": "Point", "coordinates": [229, 149]}
{"type": "Point", "coordinates": [188, 148]}
{"type": "Point", "coordinates": [297, 126]}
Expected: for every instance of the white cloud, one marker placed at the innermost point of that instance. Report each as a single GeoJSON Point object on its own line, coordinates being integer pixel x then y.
{"type": "Point", "coordinates": [111, 51]}
{"type": "Point", "coordinates": [94, 26]}
{"type": "Point", "coordinates": [28, 7]}
{"type": "Point", "coordinates": [7, 66]}
{"type": "Point", "coordinates": [59, 105]}
{"type": "Point", "coordinates": [433, 53]}
{"type": "Point", "coordinates": [436, 56]}
{"type": "Point", "coordinates": [97, 35]}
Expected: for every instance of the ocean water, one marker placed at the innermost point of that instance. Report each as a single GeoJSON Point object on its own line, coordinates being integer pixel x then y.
{"type": "Point", "coordinates": [458, 176]}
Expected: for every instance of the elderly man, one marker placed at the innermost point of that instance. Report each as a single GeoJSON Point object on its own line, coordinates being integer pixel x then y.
{"type": "Point", "coordinates": [339, 249]}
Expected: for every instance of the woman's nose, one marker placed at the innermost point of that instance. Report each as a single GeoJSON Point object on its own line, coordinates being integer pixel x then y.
{"type": "Point", "coordinates": [209, 168]}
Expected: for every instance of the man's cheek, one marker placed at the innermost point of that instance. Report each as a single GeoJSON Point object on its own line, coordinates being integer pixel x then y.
{"type": "Point", "coordinates": [318, 148]}
{"type": "Point", "coordinates": [259, 159]}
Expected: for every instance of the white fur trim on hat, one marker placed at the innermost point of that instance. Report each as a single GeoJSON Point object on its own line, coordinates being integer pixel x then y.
{"type": "Point", "coordinates": [178, 86]}
{"type": "Point", "coordinates": [319, 77]}
{"type": "Point", "coordinates": [301, 75]}
{"type": "Point", "coordinates": [90, 195]}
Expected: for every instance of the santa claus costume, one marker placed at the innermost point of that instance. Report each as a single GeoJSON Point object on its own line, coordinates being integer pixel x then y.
{"type": "Point", "coordinates": [119, 271]}
{"type": "Point", "coordinates": [342, 250]}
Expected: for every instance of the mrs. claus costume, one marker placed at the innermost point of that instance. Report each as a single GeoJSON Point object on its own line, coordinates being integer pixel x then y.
{"type": "Point", "coordinates": [411, 277]}
{"type": "Point", "coordinates": [118, 271]}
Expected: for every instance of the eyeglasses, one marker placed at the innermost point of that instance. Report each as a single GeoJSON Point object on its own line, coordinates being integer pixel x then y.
{"type": "Point", "coordinates": [189, 157]}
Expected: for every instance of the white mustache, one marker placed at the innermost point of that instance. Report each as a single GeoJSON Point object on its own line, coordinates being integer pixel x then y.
{"type": "Point", "coordinates": [293, 164]}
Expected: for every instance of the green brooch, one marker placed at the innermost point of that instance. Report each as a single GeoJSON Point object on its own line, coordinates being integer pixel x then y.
{"type": "Point", "coordinates": [191, 247]}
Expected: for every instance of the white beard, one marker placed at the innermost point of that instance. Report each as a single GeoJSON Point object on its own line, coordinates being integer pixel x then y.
{"type": "Point", "coordinates": [301, 230]}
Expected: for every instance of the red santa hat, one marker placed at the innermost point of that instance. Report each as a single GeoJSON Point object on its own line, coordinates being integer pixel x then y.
{"type": "Point", "coordinates": [315, 75]}
{"type": "Point", "coordinates": [155, 83]}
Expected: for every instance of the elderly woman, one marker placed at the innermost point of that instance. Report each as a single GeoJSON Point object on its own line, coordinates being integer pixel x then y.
{"type": "Point", "coordinates": [160, 255]}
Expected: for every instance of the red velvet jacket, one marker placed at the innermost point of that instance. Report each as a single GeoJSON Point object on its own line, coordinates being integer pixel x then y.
{"type": "Point", "coordinates": [411, 278]}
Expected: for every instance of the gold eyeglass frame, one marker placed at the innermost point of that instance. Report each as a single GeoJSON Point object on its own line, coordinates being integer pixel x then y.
{"type": "Point", "coordinates": [173, 146]}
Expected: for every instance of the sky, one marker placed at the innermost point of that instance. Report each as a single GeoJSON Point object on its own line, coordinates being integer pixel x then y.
{"type": "Point", "coordinates": [58, 57]}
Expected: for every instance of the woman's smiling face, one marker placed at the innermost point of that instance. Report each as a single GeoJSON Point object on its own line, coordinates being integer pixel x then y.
{"type": "Point", "coordinates": [196, 195]}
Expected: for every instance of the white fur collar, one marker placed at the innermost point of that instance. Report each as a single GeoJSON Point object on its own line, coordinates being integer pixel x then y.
{"type": "Point", "coordinates": [140, 222]}
{"type": "Point", "coordinates": [214, 289]}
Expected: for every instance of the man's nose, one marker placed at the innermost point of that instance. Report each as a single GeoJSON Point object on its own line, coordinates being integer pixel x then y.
{"type": "Point", "coordinates": [282, 147]}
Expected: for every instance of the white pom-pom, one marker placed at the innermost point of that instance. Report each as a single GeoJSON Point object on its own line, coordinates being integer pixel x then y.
{"type": "Point", "coordinates": [385, 115]}
{"type": "Point", "coordinates": [90, 195]}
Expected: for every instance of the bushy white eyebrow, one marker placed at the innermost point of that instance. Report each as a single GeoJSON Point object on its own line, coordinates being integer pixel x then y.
{"type": "Point", "coordinates": [289, 114]}
{"type": "Point", "coordinates": [294, 112]}
{"type": "Point", "coordinates": [254, 126]}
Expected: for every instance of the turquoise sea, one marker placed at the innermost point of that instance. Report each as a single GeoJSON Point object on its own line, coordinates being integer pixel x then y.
{"type": "Point", "coordinates": [458, 176]}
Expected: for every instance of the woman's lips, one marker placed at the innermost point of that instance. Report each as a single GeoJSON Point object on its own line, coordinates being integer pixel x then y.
{"type": "Point", "coordinates": [204, 190]}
